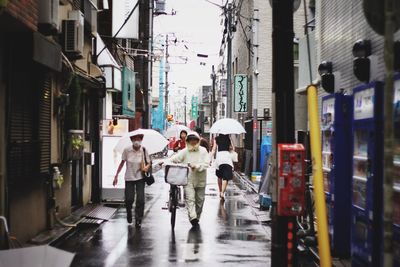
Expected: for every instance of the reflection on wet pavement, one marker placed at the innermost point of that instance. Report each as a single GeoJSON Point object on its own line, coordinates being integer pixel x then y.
{"type": "Point", "coordinates": [229, 235]}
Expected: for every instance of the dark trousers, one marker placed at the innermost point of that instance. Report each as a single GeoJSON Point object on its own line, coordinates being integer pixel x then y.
{"type": "Point", "coordinates": [132, 188]}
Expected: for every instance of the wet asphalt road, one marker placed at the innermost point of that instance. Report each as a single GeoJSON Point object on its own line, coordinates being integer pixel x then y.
{"type": "Point", "coordinates": [229, 235]}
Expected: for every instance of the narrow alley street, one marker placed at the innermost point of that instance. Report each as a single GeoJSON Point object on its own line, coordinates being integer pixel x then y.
{"type": "Point", "coordinates": [229, 235]}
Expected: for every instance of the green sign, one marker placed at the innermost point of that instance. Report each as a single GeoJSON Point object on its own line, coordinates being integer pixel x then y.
{"type": "Point", "coordinates": [128, 92]}
{"type": "Point", "coordinates": [240, 93]}
{"type": "Point", "coordinates": [195, 107]}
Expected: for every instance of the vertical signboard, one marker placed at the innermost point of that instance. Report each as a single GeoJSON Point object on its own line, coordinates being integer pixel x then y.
{"type": "Point", "coordinates": [128, 92]}
{"type": "Point", "coordinates": [223, 87]}
{"type": "Point", "coordinates": [240, 93]}
{"type": "Point", "coordinates": [195, 107]}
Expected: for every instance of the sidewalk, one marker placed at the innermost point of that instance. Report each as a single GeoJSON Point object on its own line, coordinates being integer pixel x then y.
{"type": "Point", "coordinates": [230, 234]}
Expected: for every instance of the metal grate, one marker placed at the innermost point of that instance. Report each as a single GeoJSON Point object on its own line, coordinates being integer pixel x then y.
{"type": "Point", "coordinates": [70, 35]}
{"type": "Point", "coordinates": [104, 213]}
{"type": "Point", "coordinates": [91, 221]}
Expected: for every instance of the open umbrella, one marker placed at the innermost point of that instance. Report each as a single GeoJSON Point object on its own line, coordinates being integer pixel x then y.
{"type": "Point", "coordinates": [153, 141]}
{"type": "Point", "coordinates": [39, 256]}
{"type": "Point", "coordinates": [227, 126]}
{"type": "Point", "coordinates": [175, 130]}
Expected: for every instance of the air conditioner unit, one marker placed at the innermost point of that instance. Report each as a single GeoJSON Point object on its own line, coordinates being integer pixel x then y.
{"type": "Point", "coordinates": [48, 16]}
{"type": "Point", "coordinates": [73, 32]}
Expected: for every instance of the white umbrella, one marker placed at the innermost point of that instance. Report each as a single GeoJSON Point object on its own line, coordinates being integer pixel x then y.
{"type": "Point", "coordinates": [227, 126]}
{"type": "Point", "coordinates": [39, 256]}
{"type": "Point", "coordinates": [153, 141]}
{"type": "Point", "coordinates": [175, 131]}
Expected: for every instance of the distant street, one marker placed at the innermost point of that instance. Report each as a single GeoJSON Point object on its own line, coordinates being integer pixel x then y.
{"type": "Point", "coordinates": [229, 235]}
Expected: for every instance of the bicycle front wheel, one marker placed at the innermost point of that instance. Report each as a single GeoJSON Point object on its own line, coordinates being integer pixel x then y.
{"type": "Point", "coordinates": [173, 217]}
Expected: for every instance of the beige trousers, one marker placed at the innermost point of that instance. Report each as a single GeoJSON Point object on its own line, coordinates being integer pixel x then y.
{"type": "Point", "coordinates": [194, 197]}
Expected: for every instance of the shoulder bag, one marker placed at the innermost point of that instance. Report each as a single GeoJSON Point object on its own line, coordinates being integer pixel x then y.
{"type": "Point", "coordinates": [147, 176]}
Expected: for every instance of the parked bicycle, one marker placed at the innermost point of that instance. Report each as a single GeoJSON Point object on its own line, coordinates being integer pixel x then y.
{"type": "Point", "coordinates": [176, 176]}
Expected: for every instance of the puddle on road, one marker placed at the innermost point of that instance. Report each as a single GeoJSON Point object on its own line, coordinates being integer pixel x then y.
{"type": "Point", "coordinates": [243, 222]}
{"type": "Point", "coordinates": [244, 236]}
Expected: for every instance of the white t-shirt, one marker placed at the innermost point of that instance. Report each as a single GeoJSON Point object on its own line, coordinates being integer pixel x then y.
{"type": "Point", "coordinates": [134, 159]}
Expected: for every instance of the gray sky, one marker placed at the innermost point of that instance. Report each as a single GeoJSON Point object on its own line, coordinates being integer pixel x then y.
{"type": "Point", "coordinates": [197, 23]}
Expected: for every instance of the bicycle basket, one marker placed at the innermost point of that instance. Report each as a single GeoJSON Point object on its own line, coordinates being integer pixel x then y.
{"type": "Point", "coordinates": [176, 174]}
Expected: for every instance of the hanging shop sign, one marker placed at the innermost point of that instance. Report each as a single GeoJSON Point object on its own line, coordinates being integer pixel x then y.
{"type": "Point", "coordinates": [240, 93]}
{"type": "Point", "coordinates": [128, 92]}
{"type": "Point", "coordinates": [195, 107]}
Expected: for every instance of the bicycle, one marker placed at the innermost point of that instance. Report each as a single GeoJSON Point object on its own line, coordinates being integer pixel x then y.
{"type": "Point", "coordinates": [174, 197]}
{"type": "Point", "coordinates": [176, 176]}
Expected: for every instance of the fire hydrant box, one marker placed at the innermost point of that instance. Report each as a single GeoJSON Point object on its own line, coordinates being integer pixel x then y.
{"type": "Point", "coordinates": [291, 183]}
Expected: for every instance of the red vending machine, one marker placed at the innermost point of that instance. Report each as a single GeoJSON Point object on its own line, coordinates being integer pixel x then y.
{"type": "Point", "coordinates": [291, 185]}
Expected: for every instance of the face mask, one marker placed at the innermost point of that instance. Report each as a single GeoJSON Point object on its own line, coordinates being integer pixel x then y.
{"type": "Point", "coordinates": [137, 143]}
{"type": "Point", "coordinates": [193, 148]}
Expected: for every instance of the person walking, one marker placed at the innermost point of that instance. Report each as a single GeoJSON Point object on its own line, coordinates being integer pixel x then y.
{"type": "Point", "coordinates": [135, 157]}
{"type": "Point", "coordinates": [181, 143]}
{"type": "Point", "coordinates": [196, 157]}
{"type": "Point", "coordinates": [203, 142]}
{"type": "Point", "coordinates": [223, 147]}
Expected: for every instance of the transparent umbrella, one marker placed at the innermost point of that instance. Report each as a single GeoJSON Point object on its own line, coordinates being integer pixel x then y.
{"type": "Point", "coordinates": [227, 126]}
{"type": "Point", "coordinates": [153, 141]}
{"type": "Point", "coordinates": [175, 130]}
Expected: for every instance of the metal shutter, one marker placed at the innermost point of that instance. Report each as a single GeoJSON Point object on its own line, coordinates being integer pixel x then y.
{"type": "Point", "coordinates": [22, 141]}
{"type": "Point", "coordinates": [44, 134]}
{"type": "Point", "coordinates": [29, 131]}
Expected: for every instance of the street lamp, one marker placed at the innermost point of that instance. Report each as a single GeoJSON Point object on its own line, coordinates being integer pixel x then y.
{"type": "Point", "coordinates": [113, 78]}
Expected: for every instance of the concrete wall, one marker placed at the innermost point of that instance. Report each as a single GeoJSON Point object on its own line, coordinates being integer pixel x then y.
{"type": "Point", "coordinates": [240, 49]}
{"type": "Point", "coordinates": [339, 25]}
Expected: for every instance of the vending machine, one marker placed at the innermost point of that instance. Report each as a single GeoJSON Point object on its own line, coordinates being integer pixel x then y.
{"type": "Point", "coordinates": [396, 178]}
{"type": "Point", "coordinates": [367, 181]}
{"type": "Point", "coordinates": [291, 171]}
{"type": "Point", "coordinates": [337, 140]}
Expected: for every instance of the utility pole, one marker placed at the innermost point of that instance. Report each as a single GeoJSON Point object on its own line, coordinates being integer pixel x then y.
{"type": "Point", "coordinates": [255, 87]}
{"type": "Point", "coordinates": [166, 74]}
{"type": "Point", "coordinates": [229, 65]}
{"type": "Point", "coordinates": [213, 109]}
{"type": "Point", "coordinates": [388, 134]}
{"type": "Point", "coordinates": [150, 62]}
{"type": "Point", "coordinates": [283, 91]}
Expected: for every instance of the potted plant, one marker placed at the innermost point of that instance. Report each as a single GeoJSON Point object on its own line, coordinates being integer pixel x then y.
{"type": "Point", "coordinates": [75, 141]}
{"type": "Point", "coordinates": [76, 144]}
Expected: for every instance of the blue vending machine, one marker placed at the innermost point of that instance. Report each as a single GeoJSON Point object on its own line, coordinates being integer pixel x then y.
{"type": "Point", "coordinates": [396, 185]}
{"type": "Point", "coordinates": [366, 236]}
{"type": "Point", "coordinates": [337, 140]}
